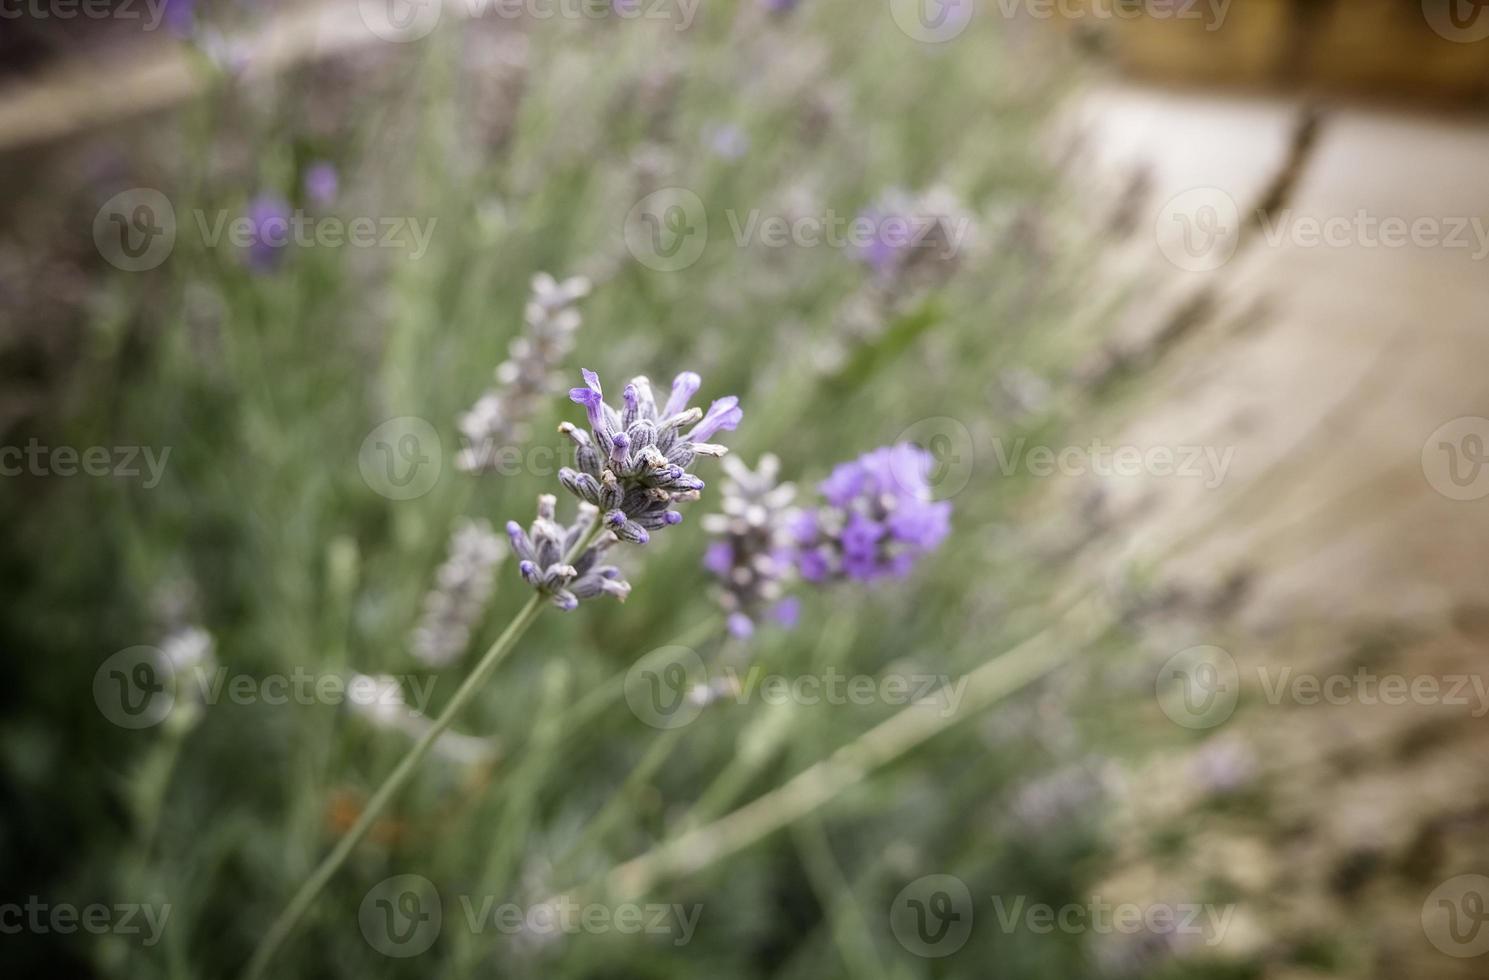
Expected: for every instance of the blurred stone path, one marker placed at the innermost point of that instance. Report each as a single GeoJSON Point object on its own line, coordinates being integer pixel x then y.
{"type": "Point", "coordinates": [1342, 362]}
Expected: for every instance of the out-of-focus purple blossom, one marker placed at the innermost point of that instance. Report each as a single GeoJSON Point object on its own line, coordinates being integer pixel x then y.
{"type": "Point", "coordinates": [269, 220]}
{"type": "Point", "coordinates": [878, 519]}
{"type": "Point", "coordinates": [917, 237]}
{"type": "Point", "coordinates": [633, 463]}
{"type": "Point", "coordinates": [780, 6]}
{"type": "Point", "coordinates": [719, 558]}
{"type": "Point", "coordinates": [883, 251]}
{"type": "Point", "coordinates": [321, 183]}
{"type": "Point", "coordinates": [179, 17]}
{"type": "Point", "coordinates": [787, 612]}
{"type": "Point", "coordinates": [728, 141]}
{"type": "Point", "coordinates": [751, 557]}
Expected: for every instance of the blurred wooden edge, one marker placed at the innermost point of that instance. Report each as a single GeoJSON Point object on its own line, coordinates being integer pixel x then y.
{"type": "Point", "coordinates": [1376, 48]}
{"type": "Point", "coordinates": [153, 74]}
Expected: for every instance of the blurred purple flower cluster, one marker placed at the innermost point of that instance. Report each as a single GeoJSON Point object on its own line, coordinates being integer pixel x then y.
{"type": "Point", "coordinates": [877, 521]}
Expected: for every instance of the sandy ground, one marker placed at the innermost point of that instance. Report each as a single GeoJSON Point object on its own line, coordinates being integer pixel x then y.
{"type": "Point", "coordinates": [1326, 367]}
{"type": "Point", "coordinates": [1330, 369]}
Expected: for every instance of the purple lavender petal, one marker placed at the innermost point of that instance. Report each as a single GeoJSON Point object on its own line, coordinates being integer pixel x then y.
{"type": "Point", "coordinates": [861, 535]}
{"type": "Point", "coordinates": [813, 565]}
{"type": "Point", "coordinates": [684, 387]}
{"type": "Point", "coordinates": [843, 484]}
{"type": "Point", "coordinates": [719, 558]}
{"type": "Point", "coordinates": [805, 527]}
{"type": "Point", "coordinates": [920, 523]}
{"type": "Point", "coordinates": [724, 413]}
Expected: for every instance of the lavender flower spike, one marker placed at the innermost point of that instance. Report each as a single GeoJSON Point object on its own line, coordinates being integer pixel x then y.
{"type": "Point", "coordinates": [542, 551]}
{"type": "Point", "coordinates": [463, 586]}
{"type": "Point", "coordinates": [633, 465]}
{"type": "Point", "coordinates": [526, 379]}
{"type": "Point", "coordinates": [751, 555]}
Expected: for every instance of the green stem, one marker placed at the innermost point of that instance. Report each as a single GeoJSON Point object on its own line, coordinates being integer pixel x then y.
{"type": "Point", "coordinates": [621, 800]}
{"type": "Point", "coordinates": [313, 885]}
{"type": "Point", "coordinates": [695, 849]}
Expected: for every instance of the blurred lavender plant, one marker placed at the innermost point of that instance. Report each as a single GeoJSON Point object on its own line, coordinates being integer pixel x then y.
{"type": "Point", "coordinates": [752, 556]}
{"type": "Point", "coordinates": [269, 218]}
{"type": "Point", "coordinates": [321, 183]}
{"type": "Point", "coordinates": [878, 519]}
{"type": "Point", "coordinates": [500, 416]}
{"type": "Point", "coordinates": [916, 236]}
{"type": "Point", "coordinates": [463, 586]}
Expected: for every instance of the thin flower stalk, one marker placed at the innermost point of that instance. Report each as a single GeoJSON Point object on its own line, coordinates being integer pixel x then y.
{"type": "Point", "coordinates": [638, 493]}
